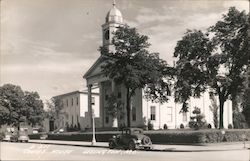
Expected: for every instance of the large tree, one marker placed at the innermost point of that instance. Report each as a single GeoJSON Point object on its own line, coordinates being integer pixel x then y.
{"type": "Point", "coordinates": [34, 105]}
{"type": "Point", "coordinates": [216, 60]}
{"type": "Point", "coordinates": [17, 106]}
{"type": "Point", "coordinates": [132, 65]}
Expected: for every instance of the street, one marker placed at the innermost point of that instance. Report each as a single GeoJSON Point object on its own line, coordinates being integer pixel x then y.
{"type": "Point", "coordinates": [31, 151]}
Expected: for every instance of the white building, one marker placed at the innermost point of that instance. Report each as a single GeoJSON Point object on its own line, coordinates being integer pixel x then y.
{"type": "Point", "coordinates": [142, 110]}
{"type": "Point", "coordinates": [75, 109]}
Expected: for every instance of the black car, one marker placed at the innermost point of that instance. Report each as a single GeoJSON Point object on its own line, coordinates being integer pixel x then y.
{"type": "Point", "coordinates": [131, 138]}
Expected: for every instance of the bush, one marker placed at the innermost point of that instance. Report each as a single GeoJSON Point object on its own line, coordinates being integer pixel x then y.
{"type": "Point", "coordinates": [165, 127]}
{"type": "Point", "coordinates": [239, 121]}
{"type": "Point", "coordinates": [201, 136]}
{"type": "Point", "coordinates": [150, 126]}
{"type": "Point", "coordinates": [230, 126]}
{"type": "Point", "coordinates": [163, 137]}
{"type": "Point", "coordinates": [197, 121]}
{"type": "Point", "coordinates": [182, 126]}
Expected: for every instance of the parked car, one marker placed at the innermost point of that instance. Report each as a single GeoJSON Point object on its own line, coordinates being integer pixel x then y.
{"type": "Point", "coordinates": [43, 135]}
{"type": "Point", "coordinates": [130, 138]}
{"type": "Point", "coordinates": [23, 136]}
{"type": "Point", "coordinates": [35, 130]}
{"type": "Point", "coordinates": [57, 131]}
{"type": "Point", "coordinates": [7, 136]}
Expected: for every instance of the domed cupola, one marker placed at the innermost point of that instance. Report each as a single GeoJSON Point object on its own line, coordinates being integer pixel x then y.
{"type": "Point", "coordinates": [114, 15]}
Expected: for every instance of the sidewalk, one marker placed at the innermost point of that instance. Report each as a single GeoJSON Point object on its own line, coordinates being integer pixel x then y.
{"type": "Point", "coordinates": [158, 147]}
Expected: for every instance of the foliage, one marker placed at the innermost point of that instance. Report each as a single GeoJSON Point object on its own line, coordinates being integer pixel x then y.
{"type": "Point", "coordinates": [214, 108]}
{"type": "Point", "coordinates": [35, 108]}
{"type": "Point", "coordinates": [165, 127]}
{"type": "Point", "coordinates": [54, 108]}
{"type": "Point", "coordinates": [230, 126]}
{"type": "Point", "coordinates": [150, 125]}
{"type": "Point", "coordinates": [239, 120]}
{"type": "Point", "coordinates": [246, 106]}
{"type": "Point", "coordinates": [131, 64]}
{"type": "Point", "coordinates": [198, 121]}
{"type": "Point", "coordinates": [215, 60]}
{"type": "Point", "coordinates": [19, 106]}
{"type": "Point", "coordinates": [114, 106]}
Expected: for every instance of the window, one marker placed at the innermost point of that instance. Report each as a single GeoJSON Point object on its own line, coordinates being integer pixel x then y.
{"type": "Point", "coordinates": [152, 113]}
{"type": "Point", "coordinates": [133, 113]}
{"type": "Point", "coordinates": [93, 100]}
{"type": "Point", "coordinates": [77, 100]}
{"type": "Point", "coordinates": [184, 116]}
{"type": "Point", "coordinates": [169, 114]}
{"type": "Point", "coordinates": [72, 101]}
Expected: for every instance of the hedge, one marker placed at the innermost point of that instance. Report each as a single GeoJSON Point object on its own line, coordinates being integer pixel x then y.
{"type": "Point", "coordinates": [164, 136]}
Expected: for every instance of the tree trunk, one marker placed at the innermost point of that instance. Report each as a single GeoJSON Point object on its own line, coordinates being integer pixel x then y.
{"type": "Point", "coordinates": [128, 108]}
{"type": "Point", "coordinates": [221, 124]}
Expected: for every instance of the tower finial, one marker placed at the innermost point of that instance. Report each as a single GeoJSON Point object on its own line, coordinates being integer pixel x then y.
{"type": "Point", "coordinates": [114, 3]}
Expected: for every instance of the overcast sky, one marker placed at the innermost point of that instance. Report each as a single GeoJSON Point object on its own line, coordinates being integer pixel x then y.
{"type": "Point", "coordinates": [47, 45]}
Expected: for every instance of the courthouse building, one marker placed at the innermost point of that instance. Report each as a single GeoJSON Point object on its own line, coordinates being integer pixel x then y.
{"type": "Point", "coordinates": [79, 105]}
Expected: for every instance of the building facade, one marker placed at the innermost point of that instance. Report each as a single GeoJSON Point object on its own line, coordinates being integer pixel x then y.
{"type": "Point", "coordinates": [74, 110]}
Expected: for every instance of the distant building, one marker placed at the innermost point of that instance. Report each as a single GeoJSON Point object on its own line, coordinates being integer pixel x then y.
{"type": "Point", "coordinates": [75, 109]}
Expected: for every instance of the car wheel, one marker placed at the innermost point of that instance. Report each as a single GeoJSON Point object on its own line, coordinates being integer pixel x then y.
{"type": "Point", "coordinates": [111, 145]}
{"type": "Point", "coordinates": [131, 145]}
{"type": "Point", "coordinates": [146, 140]}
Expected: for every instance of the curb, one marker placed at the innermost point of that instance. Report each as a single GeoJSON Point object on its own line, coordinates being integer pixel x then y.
{"type": "Point", "coordinates": [153, 150]}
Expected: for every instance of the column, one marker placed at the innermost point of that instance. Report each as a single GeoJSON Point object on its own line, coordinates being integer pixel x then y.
{"type": "Point", "coordinates": [90, 104]}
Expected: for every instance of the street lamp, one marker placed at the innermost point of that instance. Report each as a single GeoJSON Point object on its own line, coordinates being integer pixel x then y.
{"type": "Point", "coordinates": [93, 125]}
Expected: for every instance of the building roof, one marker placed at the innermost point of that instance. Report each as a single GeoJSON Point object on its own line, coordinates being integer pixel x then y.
{"type": "Point", "coordinates": [75, 92]}
{"type": "Point", "coordinates": [114, 15]}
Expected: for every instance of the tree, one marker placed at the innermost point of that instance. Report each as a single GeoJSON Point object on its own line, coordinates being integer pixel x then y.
{"type": "Point", "coordinates": [216, 63]}
{"type": "Point", "coordinates": [114, 108]}
{"type": "Point", "coordinates": [35, 107]}
{"type": "Point", "coordinates": [246, 106]}
{"type": "Point", "coordinates": [131, 65]}
{"type": "Point", "coordinates": [54, 108]}
{"type": "Point", "coordinates": [198, 120]}
{"type": "Point", "coordinates": [18, 106]}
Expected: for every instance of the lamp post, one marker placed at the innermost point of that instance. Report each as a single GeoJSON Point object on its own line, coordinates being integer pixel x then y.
{"type": "Point", "coordinates": [93, 125]}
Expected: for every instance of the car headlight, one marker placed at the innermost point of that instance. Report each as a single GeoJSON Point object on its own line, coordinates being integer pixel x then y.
{"type": "Point", "coordinates": [138, 141]}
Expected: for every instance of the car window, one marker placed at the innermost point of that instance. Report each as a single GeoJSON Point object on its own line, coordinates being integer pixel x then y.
{"type": "Point", "coordinates": [22, 133]}
{"type": "Point", "coordinates": [137, 132]}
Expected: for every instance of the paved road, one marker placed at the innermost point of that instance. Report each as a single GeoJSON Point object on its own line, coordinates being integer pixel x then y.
{"type": "Point", "coordinates": [30, 151]}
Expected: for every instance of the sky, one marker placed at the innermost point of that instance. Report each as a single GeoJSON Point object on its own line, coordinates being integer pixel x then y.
{"type": "Point", "coordinates": [48, 45]}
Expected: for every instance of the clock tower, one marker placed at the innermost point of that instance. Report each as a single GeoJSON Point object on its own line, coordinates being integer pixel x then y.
{"type": "Point", "coordinates": [113, 20]}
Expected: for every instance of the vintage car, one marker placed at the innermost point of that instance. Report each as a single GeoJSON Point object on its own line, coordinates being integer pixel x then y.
{"type": "Point", "coordinates": [130, 138]}
{"type": "Point", "coordinates": [7, 136]}
{"type": "Point", "coordinates": [23, 136]}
